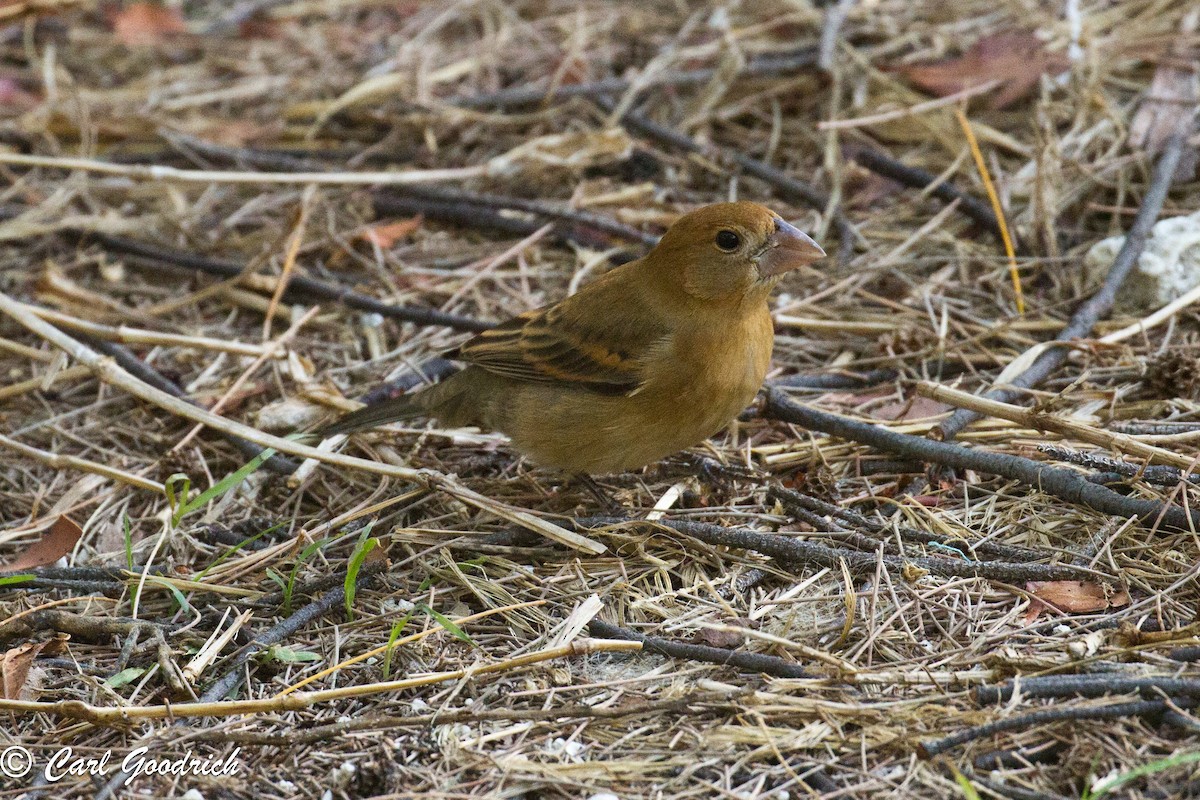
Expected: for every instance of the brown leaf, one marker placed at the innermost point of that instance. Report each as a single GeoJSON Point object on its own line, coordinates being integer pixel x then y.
{"type": "Point", "coordinates": [235, 132]}
{"type": "Point", "coordinates": [1168, 107]}
{"type": "Point", "coordinates": [1016, 58]}
{"type": "Point", "coordinates": [59, 540]}
{"type": "Point", "coordinates": [14, 99]}
{"type": "Point", "coordinates": [722, 638]}
{"type": "Point", "coordinates": [141, 24]}
{"type": "Point", "coordinates": [16, 663]}
{"type": "Point", "coordinates": [1073, 597]}
{"type": "Point", "coordinates": [259, 26]}
{"type": "Point", "coordinates": [386, 234]}
{"type": "Point", "coordinates": [913, 408]}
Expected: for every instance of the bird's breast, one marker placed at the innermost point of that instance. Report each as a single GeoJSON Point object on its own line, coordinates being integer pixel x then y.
{"type": "Point", "coordinates": [716, 371]}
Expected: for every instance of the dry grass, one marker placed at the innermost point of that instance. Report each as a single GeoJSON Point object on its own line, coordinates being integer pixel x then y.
{"type": "Point", "coordinates": [371, 86]}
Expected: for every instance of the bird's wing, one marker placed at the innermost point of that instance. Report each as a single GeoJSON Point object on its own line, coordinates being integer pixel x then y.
{"type": "Point", "coordinates": [582, 341]}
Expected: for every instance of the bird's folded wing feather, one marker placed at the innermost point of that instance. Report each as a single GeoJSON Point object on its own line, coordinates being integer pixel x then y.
{"type": "Point", "coordinates": [569, 344]}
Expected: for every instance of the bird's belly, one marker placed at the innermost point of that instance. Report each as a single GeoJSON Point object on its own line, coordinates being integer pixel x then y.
{"type": "Point", "coordinates": [585, 432]}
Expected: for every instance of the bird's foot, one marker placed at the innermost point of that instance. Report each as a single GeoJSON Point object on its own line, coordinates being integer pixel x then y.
{"type": "Point", "coordinates": [608, 503]}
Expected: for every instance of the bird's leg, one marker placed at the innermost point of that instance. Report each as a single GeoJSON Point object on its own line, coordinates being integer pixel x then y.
{"type": "Point", "coordinates": [606, 500]}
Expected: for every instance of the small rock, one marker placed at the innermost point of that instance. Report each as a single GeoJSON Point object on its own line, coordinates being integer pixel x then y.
{"type": "Point", "coordinates": [1168, 267]}
{"type": "Point", "coordinates": [288, 415]}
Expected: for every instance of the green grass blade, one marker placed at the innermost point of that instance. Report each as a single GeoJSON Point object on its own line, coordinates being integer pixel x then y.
{"type": "Point", "coordinates": [1178, 759]}
{"type": "Point", "coordinates": [222, 486]}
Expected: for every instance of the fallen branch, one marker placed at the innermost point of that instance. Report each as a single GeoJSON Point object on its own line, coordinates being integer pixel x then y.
{"type": "Point", "coordinates": [1062, 483]}
{"type": "Point", "coordinates": [750, 662]}
{"type": "Point", "coordinates": [1095, 684]}
{"type": "Point", "coordinates": [790, 551]}
{"type": "Point", "coordinates": [1139, 708]}
{"type": "Point", "coordinates": [524, 95]}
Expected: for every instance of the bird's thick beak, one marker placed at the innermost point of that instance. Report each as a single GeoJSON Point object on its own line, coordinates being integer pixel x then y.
{"type": "Point", "coordinates": [788, 248]}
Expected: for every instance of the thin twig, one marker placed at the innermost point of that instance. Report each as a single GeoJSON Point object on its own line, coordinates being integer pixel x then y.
{"type": "Point", "coordinates": [997, 208]}
{"type": "Point", "coordinates": [1160, 475]}
{"type": "Point", "coordinates": [156, 256]}
{"type": "Point", "coordinates": [298, 287]}
{"type": "Point", "coordinates": [124, 357]}
{"type": "Point", "coordinates": [448, 202]}
{"type": "Point", "coordinates": [797, 500]}
{"type": "Point", "coordinates": [160, 173]}
{"type": "Point", "coordinates": [468, 715]}
{"type": "Point", "coordinates": [540, 208]}
{"type": "Point", "coordinates": [60, 461]}
{"type": "Point", "coordinates": [118, 715]}
{"type": "Point", "coordinates": [525, 95]}
{"type": "Point", "coordinates": [901, 113]}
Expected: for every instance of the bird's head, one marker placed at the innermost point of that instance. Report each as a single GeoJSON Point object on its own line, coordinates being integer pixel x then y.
{"type": "Point", "coordinates": [729, 251]}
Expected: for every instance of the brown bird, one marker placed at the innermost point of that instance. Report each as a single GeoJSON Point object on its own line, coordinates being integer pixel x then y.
{"type": "Point", "coordinates": [654, 357]}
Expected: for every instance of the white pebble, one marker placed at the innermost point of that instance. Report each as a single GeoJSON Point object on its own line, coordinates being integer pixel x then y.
{"type": "Point", "coordinates": [1168, 267]}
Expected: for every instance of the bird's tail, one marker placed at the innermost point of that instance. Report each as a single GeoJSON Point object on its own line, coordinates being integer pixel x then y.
{"type": "Point", "coordinates": [397, 408]}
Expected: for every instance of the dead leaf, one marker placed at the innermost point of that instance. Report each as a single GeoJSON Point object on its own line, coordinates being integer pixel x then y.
{"type": "Point", "coordinates": [143, 24]}
{"type": "Point", "coordinates": [1168, 103]}
{"type": "Point", "coordinates": [1016, 58]}
{"type": "Point", "coordinates": [914, 408]}
{"type": "Point", "coordinates": [16, 663]}
{"type": "Point", "coordinates": [56, 543]}
{"type": "Point", "coordinates": [259, 26]}
{"type": "Point", "coordinates": [1168, 106]}
{"type": "Point", "coordinates": [14, 99]}
{"type": "Point", "coordinates": [235, 132]}
{"type": "Point", "coordinates": [724, 638]}
{"type": "Point", "coordinates": [928, 500]}
{"type": "Point", "coordinates": [1072, 597]}
{"type": "Point", "coordinates": [386, 234]}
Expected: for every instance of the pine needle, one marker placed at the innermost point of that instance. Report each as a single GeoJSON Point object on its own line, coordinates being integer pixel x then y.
{"type": "Point", "coordinates": [999, 211]}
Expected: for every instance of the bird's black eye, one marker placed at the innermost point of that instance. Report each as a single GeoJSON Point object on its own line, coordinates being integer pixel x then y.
{"type": "Point", "coordinates": [728, 241]}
